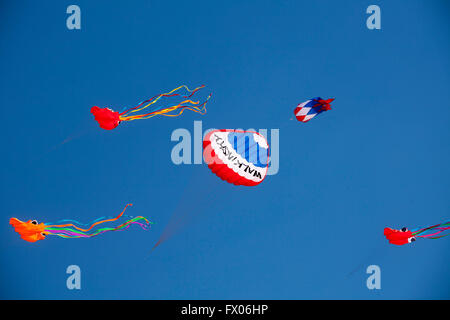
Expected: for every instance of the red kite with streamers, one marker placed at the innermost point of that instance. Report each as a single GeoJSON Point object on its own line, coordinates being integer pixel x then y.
{"type": "Point", "coordinates": [404, 235]}
{"type": "Point", "coordinates": [109, 119]}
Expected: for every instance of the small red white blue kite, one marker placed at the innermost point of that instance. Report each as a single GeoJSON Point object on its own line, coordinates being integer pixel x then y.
{"type": "Point", "coordinates": [307, 110]}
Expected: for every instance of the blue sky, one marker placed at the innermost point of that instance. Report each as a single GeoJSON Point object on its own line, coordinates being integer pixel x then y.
{"type": "Point", "coordinates": [378, 158]}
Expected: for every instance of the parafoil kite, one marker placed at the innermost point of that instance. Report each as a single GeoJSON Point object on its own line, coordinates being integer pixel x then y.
{"type": "Point", "coordinates": [33, 231]}
{"type": "Point", "coordinates": [236, 156]}
{"type": "Point", "coordinates": [109, 119]}
{"type": "Point", "coordinates": [307, 110]}
{"type": "Point", "coordinates": [404, 235]}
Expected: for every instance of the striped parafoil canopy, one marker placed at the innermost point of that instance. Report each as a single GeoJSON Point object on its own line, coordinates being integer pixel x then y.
{"type": "Point", "coordinates": [237, 156]}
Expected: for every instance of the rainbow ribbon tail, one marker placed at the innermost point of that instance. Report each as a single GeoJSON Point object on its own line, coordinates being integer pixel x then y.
{"type": "Point", "coordinates": [434, 232]}
{"type": "Point", "coordinates": [172, 111]}
{"type": "Point", "coordinates": [71, 230]}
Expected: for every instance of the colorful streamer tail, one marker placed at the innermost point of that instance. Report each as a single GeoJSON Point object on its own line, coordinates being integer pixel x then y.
{"type": "Point", "coordinates": [433, 232]}
{"type": "Point", "coordinates": [173, 111]}
{"type": "Point", "coordinates": [71, 230]}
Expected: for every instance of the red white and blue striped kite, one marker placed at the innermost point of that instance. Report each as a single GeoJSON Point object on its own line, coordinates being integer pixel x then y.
{"type": "Point", "coordinates": [307, 110]}
{"type": "Point", "coordinates": [236, 156]}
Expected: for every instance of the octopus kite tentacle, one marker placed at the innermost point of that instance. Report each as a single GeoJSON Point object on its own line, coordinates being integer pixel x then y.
{"type": "Point", "coordinates": [93, 225]}
{"type": "Point", "coordinates": [32, 231]}
{"type": "Point", "coordinates": [185, 104]}
{"type": "Point", "coordinates": [433, 232]}
{"type": "Point", "coordinates": [109, 119]}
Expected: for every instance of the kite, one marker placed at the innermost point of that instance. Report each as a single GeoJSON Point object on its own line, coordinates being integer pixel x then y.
{"type": "Point", "coordinates": [307, 110]}
{"type": "Point", "coordinates": [404, 235]}
{"type": "Point", "coordinates": [33, 231]}
{"type": "Point", "coordinates": [236, 156]}
{"type": "Point", "coordinates": [109, 119]}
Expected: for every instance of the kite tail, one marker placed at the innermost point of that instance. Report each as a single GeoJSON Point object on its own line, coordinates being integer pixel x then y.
{"type": "Point", "coordinates": [173, 111]}
{"type": "Point", "coordinates": [78, 223]}
{"type": "Point", "coordinates": [72, 231]}
{"type": "Point", "coordinates": [434, 232]}
{"type": "Point", "coordinates": [67, 232]}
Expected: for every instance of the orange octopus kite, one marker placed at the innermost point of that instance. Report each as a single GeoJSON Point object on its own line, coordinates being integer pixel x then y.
{"type": "Point", "coordinates": [33, 231]}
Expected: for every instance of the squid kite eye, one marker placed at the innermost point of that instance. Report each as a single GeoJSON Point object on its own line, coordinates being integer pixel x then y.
{"type": "Point", "coordinates": [413, 239]}
{"type": "Point", "coordinates": [43, 234]}
{"type": "Point", "coordinates": [34, 222]}
{"type": "Point", "coordinates": [404, 229]}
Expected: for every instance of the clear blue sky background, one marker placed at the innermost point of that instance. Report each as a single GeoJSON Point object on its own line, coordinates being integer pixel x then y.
{"type": "Point", "coordinates": [379, 158]}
